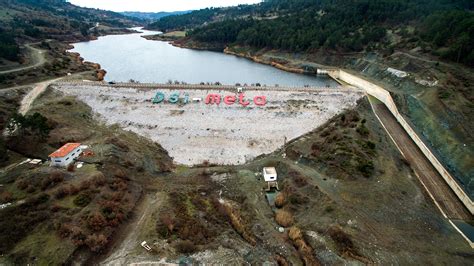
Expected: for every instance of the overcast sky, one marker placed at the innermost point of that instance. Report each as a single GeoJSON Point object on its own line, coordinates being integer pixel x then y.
{"type": "Point", "coordinates": [158, 5]}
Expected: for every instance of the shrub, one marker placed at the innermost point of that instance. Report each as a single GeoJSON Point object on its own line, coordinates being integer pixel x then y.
{"type": "Point", "coordinates": [31, 189]}
{"type": "Point", "coordinates": [5, 197]}
{"type": "Point", "coordinates": [85, 184]}
{"type": "Point", "coordinates": [362, 130]}
{"type": "Point", "coordinates": [281, 261]}
{"type": "Point", "coordinates": [41, 198]}
{"type": "Point", "coordinates": [56, 208]}
{"type": "Point", "coordinates": [297, 198]}
{"type": "Point", "coordinates": [112, 212]}
{"type": "Point", "coordinates": [96, 222]}
{"type": "Point", "coordinates": [118, 143]}
{"type": "Point", "coordinates": [56, 177]}
{"type": "Point", "coordinates": [329, 209]}
{"type": "Point", "coordinates": [186, 247]}
{"type": "Point", "coordinates": [300, 180]}
{"type": "Point", "coordinates": [342, 240]}
{"type": "Point", "coordinates": [280, 200]}
{"type": "Point", "coordinates": [98, 178]}
{"type": "Point", "coordinates": [284, 218]}
{"type": "Point", "coordinates": [118, 185]}
{"type": "Point", "coordinates": [165, 225]}
{"type": "Point", "coordinates": [119, 173]}
{"type": "Point", "coordinates": [71, 167]}
{"type": "Point", "coordinates": [22, 184]}
{"type": "Point", "coordinates": [65, 230]}
{"type": "Point", "coordinates": [371, 145]}
{"type": "Point", "coordinates": [61, 192]}
{"type": "Point", "coordinates": [366, 168]}
{"type": "Point", "coordinates": [96, 242]}
{"type": "Point", "coordinates": [73, 190]}
{"type": "Point", "coordinates": [295, 233]}
{"type": "Point", "coordinates": [82, 199]}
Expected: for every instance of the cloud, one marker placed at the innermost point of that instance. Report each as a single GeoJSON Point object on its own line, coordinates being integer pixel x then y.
{"type": "Point", "coordinates": [158, 5]}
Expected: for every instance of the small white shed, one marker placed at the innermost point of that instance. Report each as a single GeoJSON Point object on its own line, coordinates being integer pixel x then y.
{"type": "Point", "coordinates": [269, 174]}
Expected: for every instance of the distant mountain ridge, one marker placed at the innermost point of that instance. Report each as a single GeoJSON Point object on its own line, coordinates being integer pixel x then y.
{"type": "Point", "coordinates": [153, 15]}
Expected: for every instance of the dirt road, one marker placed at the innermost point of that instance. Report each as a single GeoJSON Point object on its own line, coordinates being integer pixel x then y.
{"type": "Point", "coordinates": [38, 58]}
{"type": "Point", "coordinates": [33, 94]}
{"type": "Point", "coordinates": [128, 242]}
{"type": "Point", "coordinates": [441, 193]}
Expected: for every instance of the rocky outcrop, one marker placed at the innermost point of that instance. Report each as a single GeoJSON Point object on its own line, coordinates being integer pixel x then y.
{"type": "Point", "coordinates": [101, 74]}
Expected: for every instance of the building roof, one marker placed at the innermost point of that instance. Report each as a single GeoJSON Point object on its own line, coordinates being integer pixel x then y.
{"type": "Point", "coordinates": [270, 170]}
{"type": "Point", "coordinates": [64, 150]}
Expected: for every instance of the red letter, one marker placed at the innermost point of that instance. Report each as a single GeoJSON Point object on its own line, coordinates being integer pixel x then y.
{"type": "Point", "coordinates": [242, 101]}
{"type": "Point", "coordinates": [260, 100]}
{"type": "Point", "coordinates": [229, 100]}
{"type": "Point", "coordinates": [213, 98]}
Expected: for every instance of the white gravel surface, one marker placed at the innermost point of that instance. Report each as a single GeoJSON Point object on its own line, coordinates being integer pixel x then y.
{"type": "Point", "coordinates": [196, 132]}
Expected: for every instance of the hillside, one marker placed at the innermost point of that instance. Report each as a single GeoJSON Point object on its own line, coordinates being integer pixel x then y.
{"type": "Point", "coordinates": [26, 21]}
{"type": "Point", "coordinates": [153, 15]}
{"type": "Point", "coordinates": [442, 28]}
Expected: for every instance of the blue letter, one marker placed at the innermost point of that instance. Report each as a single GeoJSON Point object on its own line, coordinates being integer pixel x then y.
{"type": "Point", "coordinates": [159, 97]}
{"type": "Point", "coordinates": [174, 98]}
{"type": "Point", "coordinates": [186, 97]}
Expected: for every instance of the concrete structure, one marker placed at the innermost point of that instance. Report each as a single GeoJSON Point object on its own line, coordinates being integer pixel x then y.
{"type": "Point", "coordinates": [447, 194]}
{"type": "Point", "coordinates": [65, 155]}
{"type": "Point", "coordinates": [397, 73]}
{"type": "Point", "coordinates": [270, 176]}
{"type": "Point", "coordinates": [220, 134]}
{"type": "Point", "coordinates": [385, 97]}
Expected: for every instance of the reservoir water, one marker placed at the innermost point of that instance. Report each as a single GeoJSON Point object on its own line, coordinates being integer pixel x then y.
{"type": "Point", "coordinates": [130, 56]}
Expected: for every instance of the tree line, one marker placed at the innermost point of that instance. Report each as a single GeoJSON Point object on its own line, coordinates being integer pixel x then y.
{"type": "Point", "coordinates": [338, 25]}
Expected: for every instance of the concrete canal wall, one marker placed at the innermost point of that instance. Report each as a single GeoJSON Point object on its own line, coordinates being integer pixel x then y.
{"type": "Point", "coordinates": [385, 97]}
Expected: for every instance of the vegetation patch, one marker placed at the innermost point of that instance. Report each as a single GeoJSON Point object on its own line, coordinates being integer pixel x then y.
{"type": "Point", "coordinates": [344, 146]}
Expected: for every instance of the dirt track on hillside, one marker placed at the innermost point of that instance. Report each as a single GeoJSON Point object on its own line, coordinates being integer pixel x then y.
{"type": "Point", "coordinates": [37, 59]}
{"type": "Point", "coordinates": [443, 196]}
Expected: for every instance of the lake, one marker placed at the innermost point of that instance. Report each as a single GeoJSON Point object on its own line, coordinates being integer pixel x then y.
{"type": "Point", "coordinates": [130, 56]}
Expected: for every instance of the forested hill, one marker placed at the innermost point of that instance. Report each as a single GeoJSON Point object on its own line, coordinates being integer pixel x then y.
{"type": "Point", "coordinates": [152, 16]}
{"type": "Point", "coordinates": [34, 20]}
{"type": "Point", "coordinates": [442, 27]}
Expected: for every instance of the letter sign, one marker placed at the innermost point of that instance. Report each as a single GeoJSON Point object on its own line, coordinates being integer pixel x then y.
{"type": "Point", "coordinates": [159, 97]}
{"type": "Point", "coordinates": [213, 98]}
{"type": "Point", "coordinates": [229, 100]}
{"type": "Point", "coordinates": [242, 101]}
{"type": "Point", "coordinates": [186, 98]}
{"type": "Point", "coordinates": [260, 100]}
{"type": "Point", "coordinates": [174, 98]}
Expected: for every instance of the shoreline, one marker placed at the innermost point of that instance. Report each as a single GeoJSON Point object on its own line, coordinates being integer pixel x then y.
{"type": "Point", "coordinates": [269, 63]}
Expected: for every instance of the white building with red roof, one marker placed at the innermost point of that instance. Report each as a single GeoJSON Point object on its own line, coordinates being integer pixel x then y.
{"type": "Point", "coordinates": [66, 154]}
